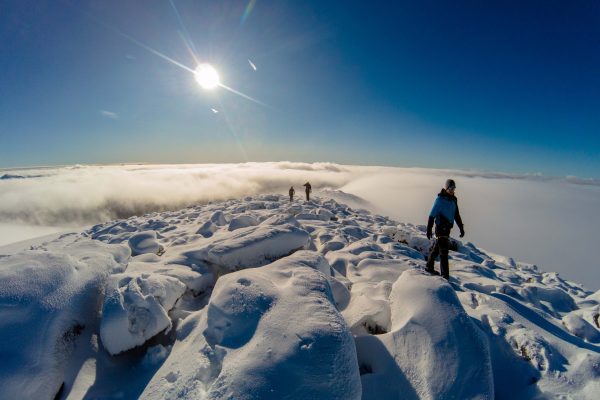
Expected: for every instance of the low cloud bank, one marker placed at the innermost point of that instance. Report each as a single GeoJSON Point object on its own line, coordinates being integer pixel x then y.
{"type": "Point", "coordinates": [544, 220]}
{"type": "Point", "coordinates": [80, 195]}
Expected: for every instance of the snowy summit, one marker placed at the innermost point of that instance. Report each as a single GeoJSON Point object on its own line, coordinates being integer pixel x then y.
{"type": "Point", "coordinates": [263, 298]}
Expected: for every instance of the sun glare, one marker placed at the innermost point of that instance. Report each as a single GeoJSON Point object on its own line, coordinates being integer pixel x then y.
{"type": "Point", "coordinates": [206, 76]}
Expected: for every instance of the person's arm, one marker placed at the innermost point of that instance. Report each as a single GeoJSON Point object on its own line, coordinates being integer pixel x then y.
{"type": "Point", "coordinates": [459, 222]}
{"type": "Point", "coordinates": [430, 227]}
{"type": "Point", "coordinates": [432, 215]}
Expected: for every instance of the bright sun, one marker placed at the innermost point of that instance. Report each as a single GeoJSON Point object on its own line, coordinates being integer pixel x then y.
{"type": "Point", "coordinates": [206, 76]}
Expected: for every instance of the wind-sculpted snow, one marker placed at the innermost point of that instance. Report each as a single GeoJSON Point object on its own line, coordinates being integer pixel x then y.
{"type": "Point", "coordinates": [143, 243]}
{"type": "Point", "coordinates": [251, 246]}
{"type": "Point", "coordinates": [48, 297]}
{"type": "Point", "coordinates": [267, 333]}
{"type": "Point", "coordinates": [438, 352]}
{"type": "Point", "coordinates": [135, 309]}
{"type": "Point", "coordinates": [261, 298]}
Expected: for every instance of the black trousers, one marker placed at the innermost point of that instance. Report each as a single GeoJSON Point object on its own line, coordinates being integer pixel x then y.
{"type": "Point", "coordinates": [440, 248]}
{"type": "Point", "coordinates": [307, 195]}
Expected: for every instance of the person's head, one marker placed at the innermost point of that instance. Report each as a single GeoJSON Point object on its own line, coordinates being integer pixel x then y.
{"type": "Point", "coordinates": [450, 186]}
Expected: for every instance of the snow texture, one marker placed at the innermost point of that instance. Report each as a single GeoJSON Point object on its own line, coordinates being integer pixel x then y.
{"type": "Point", "coordinates": [48, 296]}
{"type": "Point", "coordinates": [135, 309]}
{"type": "Point", "coordinates": [261, 298]}
{"type": "Point", "coordinates": [267, 333]}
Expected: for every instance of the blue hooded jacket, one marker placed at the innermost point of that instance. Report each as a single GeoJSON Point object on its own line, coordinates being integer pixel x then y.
{"type": "Point", "coordinates": [445, 212]}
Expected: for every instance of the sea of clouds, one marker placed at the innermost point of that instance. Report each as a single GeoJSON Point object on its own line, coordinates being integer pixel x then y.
{"type": "Point", "coordinates": [551, 222]}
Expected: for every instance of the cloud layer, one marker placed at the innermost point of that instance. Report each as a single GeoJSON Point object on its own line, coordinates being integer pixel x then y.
{"type": "Point", "coordinates": [82, 195]}
{"type": "Point", "coordinates": [543, 220]}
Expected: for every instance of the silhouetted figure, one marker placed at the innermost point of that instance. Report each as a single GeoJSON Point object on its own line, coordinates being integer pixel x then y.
{"type": "Point", "coordinates": [444, 213]}
{"type": "Point", "coordinates": [307, 189]}
{"type": "Point", "coordinates": [292, 193]}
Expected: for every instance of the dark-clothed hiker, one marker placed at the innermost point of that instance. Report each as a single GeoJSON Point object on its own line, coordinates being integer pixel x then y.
{"type": "Point", "coordinates": [443, 214]}
{"type": "Point", "coordinates": [307, 190]}
{"type": "Point", "coordinates": [292, 193]}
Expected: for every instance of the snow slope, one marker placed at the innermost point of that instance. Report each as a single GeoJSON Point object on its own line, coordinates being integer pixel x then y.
{"type": "Point", "coordinates": [261, 298]}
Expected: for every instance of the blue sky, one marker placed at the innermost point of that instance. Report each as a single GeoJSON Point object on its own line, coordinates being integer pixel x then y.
{"type": "Point", "coordinates": [506, 86]}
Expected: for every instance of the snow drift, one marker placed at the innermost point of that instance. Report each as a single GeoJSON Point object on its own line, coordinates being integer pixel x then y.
{"type": "Point", "coordinates": [48, 296]}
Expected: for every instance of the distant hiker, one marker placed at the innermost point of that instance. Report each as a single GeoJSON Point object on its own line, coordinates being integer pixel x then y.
{"type": "Point", "coordinates": [443, 213]}
{"type": "Point", "coordinates": [307, 190]}
{"type": "Point", "coordinates": [292, 193]}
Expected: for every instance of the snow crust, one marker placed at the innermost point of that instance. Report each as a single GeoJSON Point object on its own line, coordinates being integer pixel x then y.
{"type": "Point", "coordinates": [261, 298]}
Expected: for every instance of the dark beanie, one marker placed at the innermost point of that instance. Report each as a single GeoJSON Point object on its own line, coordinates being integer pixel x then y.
{"type": "Point", "coordinates": [450, 183]}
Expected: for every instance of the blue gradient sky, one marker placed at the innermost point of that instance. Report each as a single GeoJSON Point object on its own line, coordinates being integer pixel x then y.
{"type": "Point", "coordinates": [510, 86]}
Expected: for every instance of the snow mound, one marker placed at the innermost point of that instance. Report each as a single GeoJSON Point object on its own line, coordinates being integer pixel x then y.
{"type": "Point", "coordinates": [252, 246]}
{"type": "Point", "coordinates": [144, 242]}
{"type": "Point", "coordinates": [243, 221]}
{"type": "Point", "coordinates": [135, 309]}
{"type": "Point", "coordinates": [48, 298]}
{"type": "Point", "coordinates": [270, 332]}
{"type": "Point", "coordinates": [196, 280]}
{"type": "Point", "coordinates": [438, 352]}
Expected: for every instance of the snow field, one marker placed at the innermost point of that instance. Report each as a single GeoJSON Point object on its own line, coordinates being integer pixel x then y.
{"type": "Point", "coordinates": [262, 299]}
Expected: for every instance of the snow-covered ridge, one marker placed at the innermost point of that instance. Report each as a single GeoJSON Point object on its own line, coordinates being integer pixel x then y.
{"type": "Point", "coordinates": [261, 298]}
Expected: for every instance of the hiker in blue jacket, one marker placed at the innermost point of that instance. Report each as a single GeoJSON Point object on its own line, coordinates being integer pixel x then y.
{"type": "Point", "coordinates": [443, 214]}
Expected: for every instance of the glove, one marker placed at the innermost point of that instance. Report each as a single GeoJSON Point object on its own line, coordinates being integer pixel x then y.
{"type": "Point", "coordinates": [462, 231]}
